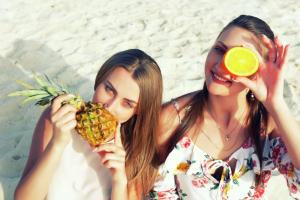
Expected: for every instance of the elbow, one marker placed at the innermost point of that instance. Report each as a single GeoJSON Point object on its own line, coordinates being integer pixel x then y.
{"type": "Point", "coordinates": [20, 194]}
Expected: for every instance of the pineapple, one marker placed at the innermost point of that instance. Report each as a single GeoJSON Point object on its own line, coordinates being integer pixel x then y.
{"type": "Point", "coordinates": [94, 123]}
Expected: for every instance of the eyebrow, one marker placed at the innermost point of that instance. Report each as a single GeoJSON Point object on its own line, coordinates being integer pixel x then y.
{"type": "Point", "coordinates": [115, 91]}
{"type": "Point", "coordinates": [111, 86]}
{"type": "Point", "coordinates": [222, 44]}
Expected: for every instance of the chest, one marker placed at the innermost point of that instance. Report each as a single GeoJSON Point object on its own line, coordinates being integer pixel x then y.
{"type": "Point", "coordinates": [80, 174]}
{"type": "Point", "coordinates": [214, 142]}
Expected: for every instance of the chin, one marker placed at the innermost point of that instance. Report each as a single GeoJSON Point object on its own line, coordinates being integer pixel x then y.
{"type": "Point", "coordinates": [216, 89]}
{"type": "Point", "coordinates": [218, 92]}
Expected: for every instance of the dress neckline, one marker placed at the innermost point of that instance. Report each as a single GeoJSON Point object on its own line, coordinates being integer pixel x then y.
{"type": "Point", "coordinates": [246, 144]}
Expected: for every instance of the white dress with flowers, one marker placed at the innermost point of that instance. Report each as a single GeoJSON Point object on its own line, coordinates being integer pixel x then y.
{"type": "Point", "coordinates": [188, 173]}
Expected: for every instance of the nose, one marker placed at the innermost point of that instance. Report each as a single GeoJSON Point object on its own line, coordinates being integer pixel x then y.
{"type": "Point", "coordinates": [219, 66]}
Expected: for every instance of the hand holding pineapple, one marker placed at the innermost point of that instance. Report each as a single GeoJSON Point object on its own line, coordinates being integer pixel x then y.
{"type": "Point", "coordinates": [113, 157]}
{"type": "Point", "coordinates": [63, 118]}
{"type": "Point", "coordinates": [94, 123]}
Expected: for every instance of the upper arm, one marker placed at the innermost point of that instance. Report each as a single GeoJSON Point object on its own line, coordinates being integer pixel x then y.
{"type": "Point", "coordinates": [169, 119]}
{"type": "Point", "coordinates": [40, 139]}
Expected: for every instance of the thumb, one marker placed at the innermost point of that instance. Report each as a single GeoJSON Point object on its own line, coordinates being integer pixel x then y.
{"type": "Point", "coordinates": [251, 84]}
{"type": "Point", "coordinates": [117, 138]}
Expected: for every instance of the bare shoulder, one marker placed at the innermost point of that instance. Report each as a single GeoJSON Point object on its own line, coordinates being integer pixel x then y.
{"type": "Point", "coordinates": [40, 139]}
{"type": "Point", "coordinates": [171, 113]}
{"type": "Point", "coordinates": [271, 128]}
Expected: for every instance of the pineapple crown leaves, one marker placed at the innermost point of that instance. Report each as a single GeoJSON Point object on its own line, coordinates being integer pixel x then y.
{"type": "Point", "coordinates": [45, 91]}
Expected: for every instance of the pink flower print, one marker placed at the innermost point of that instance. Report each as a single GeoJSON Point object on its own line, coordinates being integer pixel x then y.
{"type": "Point", "coordinates": [162, 195]}
{"type": "Point", "coordinates": [276, 152]}
{"type": "Point", "coordinates": [265, 176]}
{"type": "Point", "coordinates": [165, 195]}
{"type": "Point", "coordinates": [293, 188]}
{"type": "Point", "coordinates": [199, 182]}
{"type": "Point", "coordinates": [259, 191]}
{"type": "Point", "coordinates": [185, 142]}
{"type": "Point", "coordinates": [287, 169]}
{"type": "Point", "coordinates": [254, 163]}
{"type": "Point", "coordinates": [283, 169]}
{"type": "Point", "coordinates": [247, 144]}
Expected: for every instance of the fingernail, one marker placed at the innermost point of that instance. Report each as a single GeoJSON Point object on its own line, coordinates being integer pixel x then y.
{"type": "Point", "coordinates": [263, 36]}
{"type": "Point", "coordinates": [234, 79]}
{"type": "Point", "coordinates": [95, 149]}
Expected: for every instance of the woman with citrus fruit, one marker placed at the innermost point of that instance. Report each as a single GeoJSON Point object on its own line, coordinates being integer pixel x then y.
{"type": "Point", "coordinates": [223, 142]}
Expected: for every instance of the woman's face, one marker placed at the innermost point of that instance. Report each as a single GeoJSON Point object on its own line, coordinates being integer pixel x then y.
{"type": "Point", "coordinates": [218, 80]}
{"type": "Point", "coordinates": [119, 93]}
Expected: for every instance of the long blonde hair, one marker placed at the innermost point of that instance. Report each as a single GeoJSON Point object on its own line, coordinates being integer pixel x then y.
{"type": "Point", "coordinates": [138, 133]}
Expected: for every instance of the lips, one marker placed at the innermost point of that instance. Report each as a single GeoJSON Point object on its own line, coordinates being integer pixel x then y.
{"type": "Point", "coordinates": [220, 79]}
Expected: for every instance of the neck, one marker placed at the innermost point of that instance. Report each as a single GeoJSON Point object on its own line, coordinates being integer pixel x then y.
{"type": "Point", "coordinates": [225, 109]}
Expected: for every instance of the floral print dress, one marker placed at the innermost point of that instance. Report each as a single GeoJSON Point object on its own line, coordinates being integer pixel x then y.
{"type": "Point", "coordinates": [188, 172]}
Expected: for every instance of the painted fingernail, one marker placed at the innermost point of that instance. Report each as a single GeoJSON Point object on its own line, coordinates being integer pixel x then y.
{"type": "Point", "coordinates": [264, 36]}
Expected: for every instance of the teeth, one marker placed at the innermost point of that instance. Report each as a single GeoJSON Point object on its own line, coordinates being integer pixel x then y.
{"type": "Point", "coordinates": [219, 78]}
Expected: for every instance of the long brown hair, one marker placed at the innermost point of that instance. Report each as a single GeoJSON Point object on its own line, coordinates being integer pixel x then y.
{"type": "Point", "coordinates": [138, 133]}
{"type": "Point", "coordinates": [258, 115]}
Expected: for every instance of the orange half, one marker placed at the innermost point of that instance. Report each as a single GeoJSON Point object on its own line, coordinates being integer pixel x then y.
{"type": "Point", "coordinates": [241, 61]}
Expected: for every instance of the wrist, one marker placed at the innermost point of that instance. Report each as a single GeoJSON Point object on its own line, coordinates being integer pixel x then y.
{"type": "Point", "coordinates": [119, 180]}
{"type": "Point", "coordinates": [277, 106]}
{"type": "Point", "coordinates": [56, 146]}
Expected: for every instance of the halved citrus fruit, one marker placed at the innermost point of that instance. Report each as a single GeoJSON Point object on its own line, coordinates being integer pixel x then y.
{"type": "Point", "coordinates": [241, 61]}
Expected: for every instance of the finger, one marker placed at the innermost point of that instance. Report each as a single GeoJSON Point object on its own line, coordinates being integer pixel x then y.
{"type": "Point", "coordinates": [272, 53]}
{"type": "Point", "coordinates": [246, 82]}
{"type": "Point", "coordinates": [284, 56]}
{"type": "Point", "coordinates": [113, 164]}
{"type": "Point", "coordinates": [279, 48]}
{"type": "Point", "coordinates": [109, 147]}
{"type": "Point", "coordinates": [56, 103]}
{"type": "Point", "coordinates": [63, 110]}
{"type": "Point", "coordinates": [68, 126]}
{"type": "Point", "coordinates": [66, 118]}
{"type": "Point", "coordinates": [117, 137]}
{"type": "Point", "coordinates": [112, 156]}
{"type": "Point", "coordinates": [109, 139]}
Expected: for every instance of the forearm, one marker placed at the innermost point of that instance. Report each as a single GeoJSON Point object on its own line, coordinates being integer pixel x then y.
{"type": "Point", "coordinates": [289, 129]}
{"type": "Point", "coordinates": [36, 183]}
{"type": "Point", "coordinates": [119, 190]}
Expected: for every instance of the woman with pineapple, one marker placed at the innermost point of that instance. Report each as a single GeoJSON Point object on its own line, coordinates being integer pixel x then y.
{"type": "Point", "coordinates": [224, 141]}
{"type": "Point", "coordinates": [63, 166]}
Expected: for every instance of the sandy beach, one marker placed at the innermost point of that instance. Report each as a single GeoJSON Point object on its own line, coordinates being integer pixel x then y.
{"type": "Point", "coordinates": [69, 40]}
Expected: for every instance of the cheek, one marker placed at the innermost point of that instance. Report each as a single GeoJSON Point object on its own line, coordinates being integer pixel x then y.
{"type": "Point", "coordinates": [125, 115]}
{"type": "Point", "coordinates": [211, 61]}
{"type": "Point", "coordinates": [209, 64]}
{"type": "Point", "coordinates": [100, 94]}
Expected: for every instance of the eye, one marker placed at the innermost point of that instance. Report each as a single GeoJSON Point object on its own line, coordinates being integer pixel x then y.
{"type": "Point", "coordinates": [108, 88]}
{"type": "Point", "coordinates": [219, 49]}
{"type": "Point", "coordinates": [128, 105]}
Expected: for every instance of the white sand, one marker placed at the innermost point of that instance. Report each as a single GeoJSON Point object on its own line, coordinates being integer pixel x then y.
{"type": "Point", "coordinates": [69, 40]}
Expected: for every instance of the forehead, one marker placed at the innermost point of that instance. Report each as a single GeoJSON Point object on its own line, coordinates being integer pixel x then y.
{"type": "Point", "coordinates": [236, 36]}
{"type": "Point", "coordinates": [124, 84]}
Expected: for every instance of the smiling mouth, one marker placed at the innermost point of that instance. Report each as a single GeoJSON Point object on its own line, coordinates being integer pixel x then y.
{"type": "Point", "coordinates": [220, 78]}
